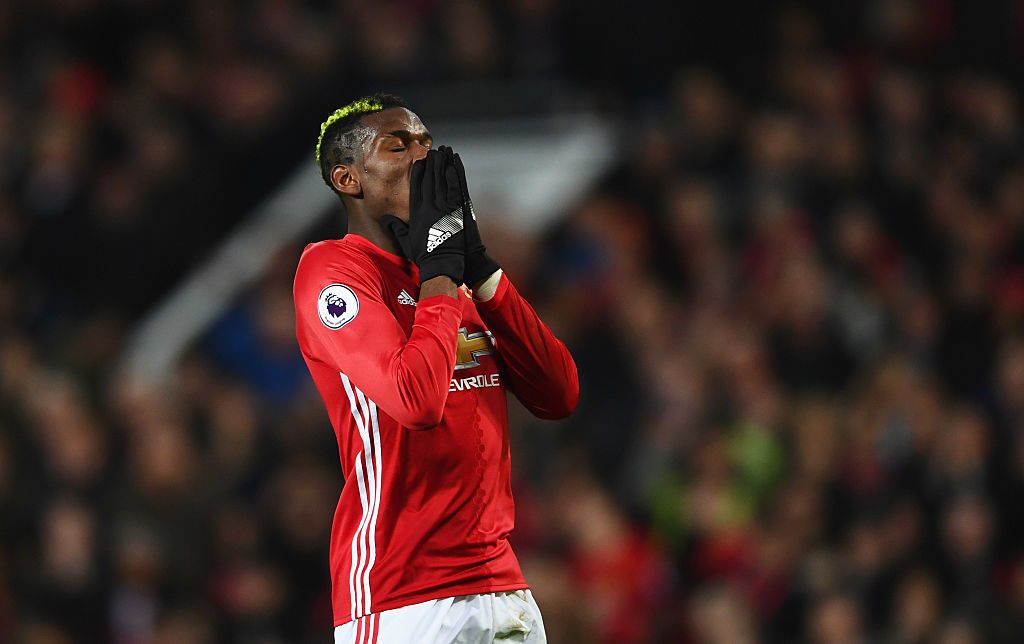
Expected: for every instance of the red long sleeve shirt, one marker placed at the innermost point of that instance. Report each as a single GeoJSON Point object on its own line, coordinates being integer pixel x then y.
{"type": "Point", "coordinates": [415, 392]}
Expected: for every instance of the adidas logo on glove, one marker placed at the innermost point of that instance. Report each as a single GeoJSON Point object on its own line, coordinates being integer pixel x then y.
{"type": "Point", "coordinates": [444, 228]}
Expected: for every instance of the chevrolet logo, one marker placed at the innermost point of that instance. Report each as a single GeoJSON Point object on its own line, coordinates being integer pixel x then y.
{"type": "Point", "coordinates": [471, 347]}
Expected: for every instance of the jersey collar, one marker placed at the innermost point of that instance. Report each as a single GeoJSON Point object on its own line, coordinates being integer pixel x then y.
{"type": "Point", "coordinates": [374, 249]}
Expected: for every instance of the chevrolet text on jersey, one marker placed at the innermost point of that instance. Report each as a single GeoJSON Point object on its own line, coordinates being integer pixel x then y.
{"type": "Point", "coordinates": [474, 382]}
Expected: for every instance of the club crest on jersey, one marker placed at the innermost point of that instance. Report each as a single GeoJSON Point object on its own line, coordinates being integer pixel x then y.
{"type": "Point", "coordinates": [337, 305]}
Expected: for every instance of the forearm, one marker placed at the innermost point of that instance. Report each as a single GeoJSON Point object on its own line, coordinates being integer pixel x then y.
{"type": "Point", "coordinates": [421, 371]}
{"type": "Point", "coordinates": [485, 290]}
{"type": "Point", "coordinates": [440, 285]}
{"type": "Point", "coordinates": [540, 369]}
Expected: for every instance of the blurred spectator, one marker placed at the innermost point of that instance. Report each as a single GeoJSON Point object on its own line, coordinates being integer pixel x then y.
{"type": "Point", "coordinates": [836, 620]}
{"type": "Point", "coordinates": [917, 609]}
{"type": "Point", "coordinates": [719, 616]}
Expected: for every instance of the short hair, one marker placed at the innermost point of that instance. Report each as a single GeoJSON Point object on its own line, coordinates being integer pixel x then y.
{"type": "Point", "coordinates": [338, 134]}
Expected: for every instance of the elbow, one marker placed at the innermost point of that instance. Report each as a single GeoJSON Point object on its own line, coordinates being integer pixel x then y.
{"type": "Point", "coordinates": [422, 423]}
{"type": "Point", "coordinates": [424, 415]}
{"type": "Point", "coordinates": [571, 396]}
{"type": "Point", "coordinates": [571, 402]}
{"type": "Point", "coordinates": [566, 407]}
{"type": "Point", "coordinates": [563, 407]}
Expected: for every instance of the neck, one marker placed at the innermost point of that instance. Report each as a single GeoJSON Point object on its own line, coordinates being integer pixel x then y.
{"type": "Point", "coordinates": [368, 227]}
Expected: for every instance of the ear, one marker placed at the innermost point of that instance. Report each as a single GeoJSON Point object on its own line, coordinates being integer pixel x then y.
{"type": "Point", "coordinates": [346, 180]}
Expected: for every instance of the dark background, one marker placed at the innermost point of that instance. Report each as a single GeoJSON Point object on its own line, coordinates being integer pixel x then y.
{"type": "Point", "coordinates": [796, 303]}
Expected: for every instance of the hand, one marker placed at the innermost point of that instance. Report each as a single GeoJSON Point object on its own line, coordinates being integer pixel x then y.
{"type": "Point", "coordinates": [433, 238]}
{"type": "Point", "coordinates": [479, 265]}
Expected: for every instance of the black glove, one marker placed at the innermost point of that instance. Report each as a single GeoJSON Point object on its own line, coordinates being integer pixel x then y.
{"type": "Point", "coordinates": [433, 238]}
{"type": "Point", "coordinates": [479, 265]}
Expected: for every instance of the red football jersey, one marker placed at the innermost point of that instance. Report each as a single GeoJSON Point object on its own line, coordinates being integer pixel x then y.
{"type": "Point", "coordinates": [415, 391]}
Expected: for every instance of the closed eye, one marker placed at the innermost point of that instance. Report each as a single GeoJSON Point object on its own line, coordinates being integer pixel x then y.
{"type": "Point", "coordinates": [404, 137]}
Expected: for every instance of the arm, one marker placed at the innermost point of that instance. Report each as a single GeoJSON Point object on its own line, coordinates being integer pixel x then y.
{"type": "Point", "coordinates": [407, 378]}
{"type": "Point", "coordinates": [539, 369]}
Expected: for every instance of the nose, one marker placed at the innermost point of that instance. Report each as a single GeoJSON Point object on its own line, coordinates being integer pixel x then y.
{"type": "Point", "coordinates": [419, 151]}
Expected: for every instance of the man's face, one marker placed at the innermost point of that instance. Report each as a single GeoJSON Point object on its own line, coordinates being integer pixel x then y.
{"type": "Point", "coordinates": [399, 139]}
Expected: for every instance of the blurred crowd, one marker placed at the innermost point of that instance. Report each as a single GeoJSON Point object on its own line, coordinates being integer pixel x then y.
{"type": "Point", "coordinates": [796, 304]}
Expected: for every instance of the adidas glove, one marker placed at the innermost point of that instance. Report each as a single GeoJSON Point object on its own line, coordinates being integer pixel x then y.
{"type": "Point", "coordinates": [433, 239]}
{"type": "Point", "coordinates": [479, 265]}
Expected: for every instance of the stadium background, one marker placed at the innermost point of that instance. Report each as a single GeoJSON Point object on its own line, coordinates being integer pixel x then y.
{"type": "Point", "coordinates": [796, 301]}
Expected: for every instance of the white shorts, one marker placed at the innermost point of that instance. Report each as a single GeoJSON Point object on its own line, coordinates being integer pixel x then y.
{"type": "Point", "coordinates": [470, 619]}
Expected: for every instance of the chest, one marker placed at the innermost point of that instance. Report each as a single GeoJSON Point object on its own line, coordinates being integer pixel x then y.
{"type": "Point", "coordinates": [476, 346]}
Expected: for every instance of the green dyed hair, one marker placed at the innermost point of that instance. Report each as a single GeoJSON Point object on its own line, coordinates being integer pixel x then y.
{"type": "Point", "coordinates": [339, 136]}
